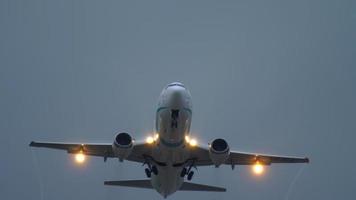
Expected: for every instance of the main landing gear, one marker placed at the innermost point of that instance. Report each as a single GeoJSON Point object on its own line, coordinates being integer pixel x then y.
{"type": "Point", "coordinates": [154, 170]}
{"type": "Point", "coordinates": [148, 173]}
{"type": "Point", "coordinates": [190, 175]}
{"type": "Point", "coordinates": [150, 169]}
{"type": "Point", "coordinates": [187, 172]}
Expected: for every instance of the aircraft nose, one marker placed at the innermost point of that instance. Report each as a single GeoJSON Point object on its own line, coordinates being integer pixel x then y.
{"type": "Point", "coordinates": [177, 95]}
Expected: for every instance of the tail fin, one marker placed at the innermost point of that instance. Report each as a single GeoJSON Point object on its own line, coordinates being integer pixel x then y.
{"type": "Point", "coordinates": [199, 187]}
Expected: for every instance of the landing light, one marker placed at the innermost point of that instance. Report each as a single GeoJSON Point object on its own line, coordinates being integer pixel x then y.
{"type": "Point", "coordinates": [80, 157]}
{"type": "Point", "coordinates": [191, 141]}
{"type": "Point", "coordinates": [187, 139]}
{"type": "Point", "coordinates": [156, 137]}
{"type": "Point", "coordinates": [258, 168]}
{"type": "Point", "coordinates": [152, 139]}
{"type": "Point", "coordinates": [149, 140]}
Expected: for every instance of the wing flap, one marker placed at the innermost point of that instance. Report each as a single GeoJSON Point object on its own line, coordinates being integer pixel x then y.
{"type": "Point", "coordinates": [200, 187]}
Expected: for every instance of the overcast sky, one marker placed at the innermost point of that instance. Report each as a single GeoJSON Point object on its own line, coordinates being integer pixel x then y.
{"type": "Point", "coordinates": [268, 76]}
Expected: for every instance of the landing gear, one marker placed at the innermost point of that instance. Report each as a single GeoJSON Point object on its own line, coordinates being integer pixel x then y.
{"type": "Point", "coordinates": [150, 168]}
{"type": "Point", "coordinates": [188, 171]}
{"type": "Point", "coordinates": [184, 172]}
{"type": "Point", "coordinates": [174, 116]}
{"type": "Point", "coordinates": [190, 175]}
{"type": "Point", "coordinates": [154, 170]}
{"type": "Point", "coordinates": [148, 173]}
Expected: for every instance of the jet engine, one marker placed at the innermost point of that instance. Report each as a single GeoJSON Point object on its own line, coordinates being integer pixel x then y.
{"type": "Point", "coordinates": [122, 145]}
{"type": "Point", "coordinates": [219, 151]}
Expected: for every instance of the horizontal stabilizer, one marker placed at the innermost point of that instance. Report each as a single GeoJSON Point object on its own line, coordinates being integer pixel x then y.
{"type": "Point", "coordinates": [199, 187]}
{"type": "Point", "coordinates": [131, 183]}
{"type": "Point", "coordinates": [147, 184]}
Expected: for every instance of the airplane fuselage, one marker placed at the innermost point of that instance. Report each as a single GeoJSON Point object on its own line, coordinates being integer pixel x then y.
{"type": "Point", "coordinates": [173, 119]}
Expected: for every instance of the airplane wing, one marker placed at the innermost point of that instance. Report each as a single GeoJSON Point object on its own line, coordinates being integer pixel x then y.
{"type": "Point", "coordinates": [200, 155]}
{"type": "Point", "coordinates": [202, 158]}
{"type": "Point", "coordinates": [97, 149]}
{"type": "Point", "coordinates": [243, 158]}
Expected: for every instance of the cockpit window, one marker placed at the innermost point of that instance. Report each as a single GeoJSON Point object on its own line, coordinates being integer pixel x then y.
{"type": "Point", "coordinates": [175, 84]}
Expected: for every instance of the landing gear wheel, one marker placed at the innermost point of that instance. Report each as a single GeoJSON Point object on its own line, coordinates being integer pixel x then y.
{"type": "Point", "coordinates": [154, 170]}
{"type": "Point", "coordinates": [184, 172]}
{"type": "Point", "coordinates": [190, 176]}
{"type": "Point", "coordinates": [148, 173]}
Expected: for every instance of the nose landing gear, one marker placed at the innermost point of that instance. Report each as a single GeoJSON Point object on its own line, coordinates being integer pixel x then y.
{"type": "Point", "coordinates": [174, 116]}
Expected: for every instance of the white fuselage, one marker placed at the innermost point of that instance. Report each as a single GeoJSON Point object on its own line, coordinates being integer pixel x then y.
{"type": "Point", "coordinates": [173, 119]}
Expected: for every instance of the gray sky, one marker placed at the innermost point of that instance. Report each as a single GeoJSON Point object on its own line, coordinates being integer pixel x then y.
{"type": "Point", "coordinates": [269, 76]}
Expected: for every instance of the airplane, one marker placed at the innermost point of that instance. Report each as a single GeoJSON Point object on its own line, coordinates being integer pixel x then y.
{"type": "Point", "coordinates": [170, 154]}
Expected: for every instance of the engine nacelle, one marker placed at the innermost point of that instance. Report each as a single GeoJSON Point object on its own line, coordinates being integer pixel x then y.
{"type": "Point", "coordinates": [122, 145]}
{"type": "Point", "coordinates": [219, 151]}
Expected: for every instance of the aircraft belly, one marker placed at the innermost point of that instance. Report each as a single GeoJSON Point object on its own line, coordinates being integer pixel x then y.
{"type": "Point", "coordinates": [172, 124]}
{"type": "Point", "coordinates": [168, 180]}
